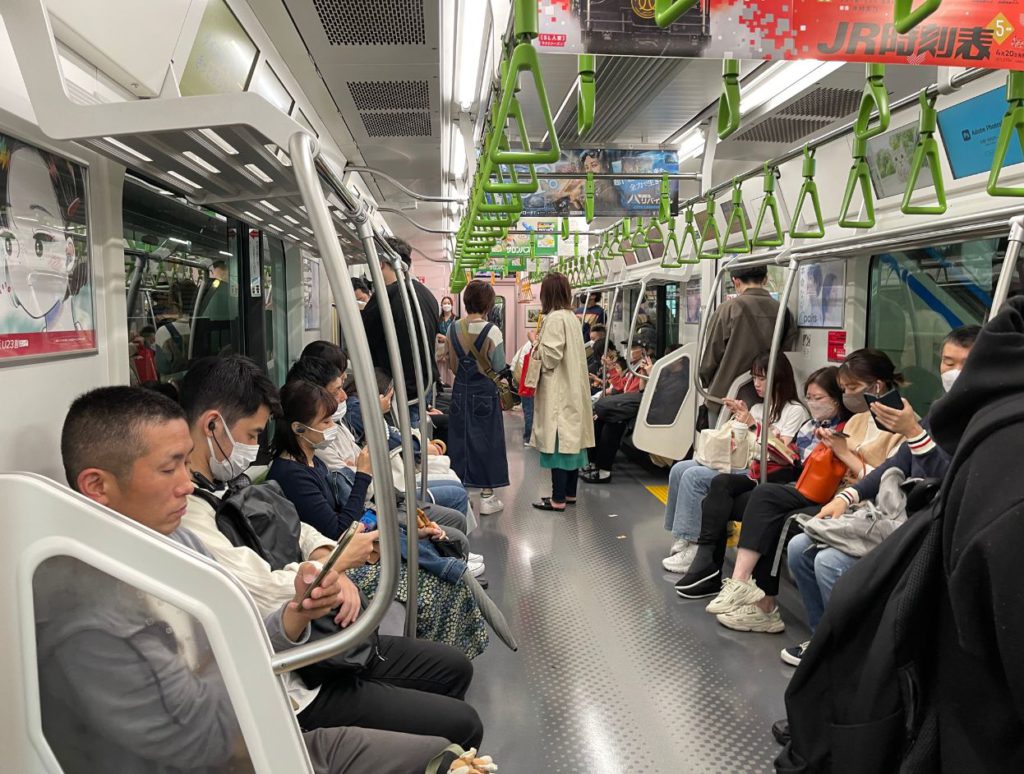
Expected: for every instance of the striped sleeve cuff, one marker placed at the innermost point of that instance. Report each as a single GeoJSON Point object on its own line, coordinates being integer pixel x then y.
{"type": "Point", "coordinates": [921, 444]}
{"type": "Point", "coordinates": [850, 495]}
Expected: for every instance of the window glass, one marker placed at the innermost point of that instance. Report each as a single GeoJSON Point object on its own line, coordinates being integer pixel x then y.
{"type": "Point", "coordinates": [670, 391]}
{"type": "Point", "coordinates": [917, 297]}
{"type": "Point", "coordinates": [671, 321]}
{"type": "Point", "coordinates": [181, 270]}
{"type": "Point", "coordinates": [275, 310]}
{"type": "Point", "coordinates": [127, 681]}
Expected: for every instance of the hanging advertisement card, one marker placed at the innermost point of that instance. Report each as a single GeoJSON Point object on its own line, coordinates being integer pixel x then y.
{"type": "Point", "coordinates": [889, 157]}
{"type": "Point", "coordinates": [46, 305]}
{"type": "Point", "coordinates": [822, 295]}
{"type": "Point", "coordinates": [310, 292]}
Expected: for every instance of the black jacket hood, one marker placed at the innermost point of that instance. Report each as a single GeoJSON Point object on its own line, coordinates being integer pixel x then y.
{"type": "Point", "coordinates": [994, 372]}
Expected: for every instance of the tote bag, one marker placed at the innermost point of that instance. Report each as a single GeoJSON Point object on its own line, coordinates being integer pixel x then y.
{"type": "Point", "coordinates": [821, 476]}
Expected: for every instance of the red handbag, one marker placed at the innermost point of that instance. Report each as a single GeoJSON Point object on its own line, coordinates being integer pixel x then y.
{"type": "Point", "coordinates": [822, 474]}
{"type": "Point", "coordinates": [524, 391]}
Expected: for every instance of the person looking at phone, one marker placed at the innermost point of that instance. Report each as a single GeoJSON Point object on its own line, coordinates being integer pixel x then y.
{"type": "Point", "coordinates": [747, 599]}
{"type": "Point", "coordinates": [113, 681]}
{"type": "Point", "coordinates": [816, 569]}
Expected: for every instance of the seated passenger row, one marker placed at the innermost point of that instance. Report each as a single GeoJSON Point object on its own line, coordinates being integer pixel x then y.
{"type": "Point", "coordinates": [393, 704]}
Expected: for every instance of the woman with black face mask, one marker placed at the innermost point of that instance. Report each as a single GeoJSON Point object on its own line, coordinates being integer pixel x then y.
{"type": "Point", "coordinates": [747, 599]}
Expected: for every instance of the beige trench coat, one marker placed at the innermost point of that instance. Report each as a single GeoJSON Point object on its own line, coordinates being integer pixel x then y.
{"type": "Point", "coordinates": [562, 407]}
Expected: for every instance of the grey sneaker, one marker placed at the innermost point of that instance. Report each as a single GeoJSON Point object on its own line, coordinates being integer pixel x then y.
{"type": "Point", "coordinates": [489, 505]}
{"type": "Point", "coordinates": [735, 594]}
{"type": "Point", "coordinates": [751, 618]}
{"type": "Point", "coordinates": [680, 563]}
{"type": "Point", "coordinates": [678, 546]}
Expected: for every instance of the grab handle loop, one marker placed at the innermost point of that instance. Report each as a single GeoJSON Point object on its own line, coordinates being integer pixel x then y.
{"type": "Point", "coordinates": [738, 214]}
{"type": "Point", "coordinates": [712, 227]}
{"type": "Point", "coordinates": [672, 257]}
{"type": "Point", "coordinates": [588, 197]}
{"type": "Point", "coordinates": [875, 97]}
{"type": "Point", "coordinates": [565, 228]}
{"type": "Point", "coordinates": [729, 102]}
{"type": "Point", "coordinates": [668, 11]}
{"type": "Point", "coordinates": [905, 19]}
{"type": "Point", "coordinates": [769, 203]}
{"type": "Point", "coordinates": [640, 234]}
{"type": "Point", "coordinates": [586, 95]}
{"type": "Point", "coordinates": [1013, 122]}
{"type": "Point", "coordinates": [808, 189]}
{"type": "Point", "coordinates": [926, 151]}
{"type": "Point", "coordinates": [859, 174]}
{"type": "Point", "coordinates": [665, 200]}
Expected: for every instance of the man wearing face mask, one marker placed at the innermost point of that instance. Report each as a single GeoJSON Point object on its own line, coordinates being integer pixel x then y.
{"type": "Point", "coordinates": [362, 291]}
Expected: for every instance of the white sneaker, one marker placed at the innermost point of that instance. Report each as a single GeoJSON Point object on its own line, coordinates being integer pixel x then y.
{"type": "Point", "coordinates": [751, 618]}
{"type": "Point", "coordinates": [475, 557]}
{"type": "Point", "coordinates": [476, 569]}
{"type": "Point", "coordinates": [681, 562]}
{"type": "Point", "coordinates": [735, 594]}
{"type": "Point", "coordinates": [678, 546]}
{"type": "Point", "coordinates": [489, 505]}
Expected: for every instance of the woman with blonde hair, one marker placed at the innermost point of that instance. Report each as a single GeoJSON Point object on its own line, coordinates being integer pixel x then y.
{"type": "Point", "coordinates": [563, 425]}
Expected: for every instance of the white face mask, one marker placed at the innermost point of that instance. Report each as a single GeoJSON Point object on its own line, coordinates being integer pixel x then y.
{"type": "Point", "coordinates": [360, 304]}
{"type": "Point", "coordinates": [446, 307]}
{"type": "Point", "coordinates": [341, 411]}
{"type": "Point", "coordinates": [242, 456]}
{"type": "Point", "coordinates": [948, 378]}
{"type": "Point", "coordinates": [328, 437]}
{"type": "Point", "coordinates": [822, 410]}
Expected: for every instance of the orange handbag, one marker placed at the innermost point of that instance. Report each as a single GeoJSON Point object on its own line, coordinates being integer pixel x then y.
{"type": "Point", "coordinates": [822, 474]}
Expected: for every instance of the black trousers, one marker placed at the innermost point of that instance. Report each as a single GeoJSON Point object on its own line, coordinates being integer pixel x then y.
{"type": "Point", "coordinates": [414, 686]}
{"type": "Point", "coordinates": [608, 438]}
{"type": "Point", "coordinates": [763, 521]}
{"type": "Point", "coordinates": [563, 484]}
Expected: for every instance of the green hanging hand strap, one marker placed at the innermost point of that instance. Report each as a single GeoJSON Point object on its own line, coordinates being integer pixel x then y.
{"type": "Point", "coordinates": [565, 228]}
{"type": "Point", "coordinates": [665, 200]}
{"type": "Point", "coordinates": [859, 174]}
{"type": "Point", "coordinates": [729, 102]}
{"type": "Point", "coordinates": [874, 97]}
{"type": "Point", "coordinates": [588, 197]}
{"type": "Point", "coordinates": [576, 245]}
{"type": "Point", "coordinates": [738, 214]}
{"type": "Point", "coordinates": [808, 189]}
{"type": "Point", "coordinates": [640, 234]}
{"type": "Point", "coordinates": [712, 227]}
{"type": "Point", "coordinates": [668, 11]}
{"type": "Point", "coordinates": [690, 235]}
{"type": "Point", "coordinates": [501, 145]}
{"type": "Point", "coordinates": [670, 259]}
{"type": "Point", "coordinates": [533, 244]}
{"type": "Point", "coordinates": [1013, 122]}
{"type": "Point", "coordinates": [905, 19]}
{"type": "Point", "coordinates": [587, 93]}
{"type": "Point", "coordinates": [769, 203]}
{"type": "Point", "coordinates": [627, 228]}
{"type": "Point", "coordinates": [927, 150]}
{"type": "Point", "coordinates": [657, 237]}
{"type": "Point", "coordinates": [615, 244]}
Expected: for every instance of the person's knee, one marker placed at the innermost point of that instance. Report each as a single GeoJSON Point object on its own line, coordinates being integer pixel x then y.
{"type": "Point", "coordinates": [796, 551]}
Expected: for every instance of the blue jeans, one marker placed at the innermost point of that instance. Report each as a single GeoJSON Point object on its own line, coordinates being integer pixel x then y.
{"type": "Point", "coordinates": [816, 571]}
{"type": "Point", "coordinates": [450, 494]}
{"type": "Point", "coordinates": [688, 483]}
{"type": "Point", "coordinates": [527, 418]}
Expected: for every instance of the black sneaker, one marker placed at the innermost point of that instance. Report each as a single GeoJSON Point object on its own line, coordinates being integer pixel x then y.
{"type": "Point", "coordinates": [696, 576]}
{"type": "Point", "coordinates": [793, 653]}
{"type": "Point", "coordinates": [707, 586]}
{"type": "Point", "coordinates": [780, 730]}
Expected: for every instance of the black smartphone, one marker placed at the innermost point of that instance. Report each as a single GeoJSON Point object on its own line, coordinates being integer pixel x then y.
{"type": "Point", "coordinates": [892, 399]}
{"type": "Point", "coordinates": [839, 434]}
{"type": "Point", "coordinates": [331, 560]}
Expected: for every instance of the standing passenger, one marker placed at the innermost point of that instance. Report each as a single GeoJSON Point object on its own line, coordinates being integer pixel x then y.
{"type": "Point", "coordinates": [444, 323]}
{"type": "Point", "coordinates": [741, 329]}
{"type": "Point", "coordinates": [476, 429]}
{"type": "Point", "coordinates": [564, 425]}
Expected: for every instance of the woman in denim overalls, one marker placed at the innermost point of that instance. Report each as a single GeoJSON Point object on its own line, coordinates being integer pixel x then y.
{"type": "Point", "coordinates": [476, 429]}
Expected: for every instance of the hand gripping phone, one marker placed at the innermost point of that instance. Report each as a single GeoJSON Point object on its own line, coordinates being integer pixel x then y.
{"type": "Point", "coordinates": [331, 560]}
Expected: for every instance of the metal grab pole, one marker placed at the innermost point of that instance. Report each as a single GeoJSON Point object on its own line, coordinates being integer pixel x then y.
{"type": "Point", "coordinates": [608, 338]}
{"type": "Point", "coordinates": [632, 327]}
{"type": "Point", "coordinates": [365, 231]}
{"type": "Point", "coordinates": [773, 358]}
{"type": "Point", "coordinates": [704, 326]}
{"type": "Point", "coordinates": [426, 424]}
{"type": "Point", "coordinates": [1009, 264]}
{"type": "Point", "coordinates": [302, 149]}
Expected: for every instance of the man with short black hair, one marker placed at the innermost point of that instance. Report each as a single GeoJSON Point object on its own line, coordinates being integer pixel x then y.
{"type": "Point", "coordinates": [741, 329]}
{"type": "Point", "coordinates": [115, 689]}
{"type": "Point", "coordinates": [362, 290]}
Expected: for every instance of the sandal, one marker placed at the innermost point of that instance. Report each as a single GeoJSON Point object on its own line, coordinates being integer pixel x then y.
{"type": "Point", "coordinates": [546, 505]}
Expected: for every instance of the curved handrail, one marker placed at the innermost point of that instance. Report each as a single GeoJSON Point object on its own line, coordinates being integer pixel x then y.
{"type": "Point", "coordinates": [859, 173]}
{"type": "Point", "coordinates": [1013, 121]}
{"type": "Point", "coordinates": [302, 150]}
{"type": "Point", "coordinates": [702, 326]}
{"type": "Point", "coordinates": [423, 373]}
{"type": "Point", "coordinates": [927, 150]}
{"type": "Point", "coordinates": [1009, 266]}
{"type": "Point", "coordinates": [667, 11]}
{"type": "Point", "coordinates": [402, 188]}
{"type": "Point", "coordinates": [773, 358]}
{"type": "Point", "coordinates": [636, 313]}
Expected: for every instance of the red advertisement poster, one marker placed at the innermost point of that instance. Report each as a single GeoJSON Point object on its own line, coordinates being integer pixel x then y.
{"type": "Point", "coordinates": [962, 33]}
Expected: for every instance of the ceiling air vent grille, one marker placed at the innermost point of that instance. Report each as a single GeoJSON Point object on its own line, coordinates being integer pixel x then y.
{"type": "Point", "coordinates": [397, 124]}
{"type": "Point", "coordinates": [824, 103]}
{"type": "Point", "coordinates": [372, 22]}
{"type": "Point", "coordinates": [783, 130]}
{"type": "Point", "coordinates": [390, 95]}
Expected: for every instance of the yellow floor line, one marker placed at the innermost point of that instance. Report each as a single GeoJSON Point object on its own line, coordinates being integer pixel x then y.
{"type": "Point", "coordinates": [661, 492]}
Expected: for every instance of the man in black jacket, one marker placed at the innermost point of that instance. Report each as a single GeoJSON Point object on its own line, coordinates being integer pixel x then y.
{"type": "Point", "coordinates": [374, 325]}
{"type": "Point", "coordinates": [976, 681]}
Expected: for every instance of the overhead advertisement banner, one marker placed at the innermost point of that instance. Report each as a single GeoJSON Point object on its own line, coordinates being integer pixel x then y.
{"type": "Point", "coordinates": [963, 33]}
{"type": "Point", "coordinates": [611, 197]}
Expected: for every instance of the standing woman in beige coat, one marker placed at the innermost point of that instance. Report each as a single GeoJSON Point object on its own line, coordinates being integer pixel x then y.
{"type": "Point", "coordinates": [563, 422]}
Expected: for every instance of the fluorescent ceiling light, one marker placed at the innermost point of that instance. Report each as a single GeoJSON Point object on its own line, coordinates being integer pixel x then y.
{"type": "Point", "coordinates": [691, 143]}
{"type": "Point", "coordinates": [472, 15]}
{"type": "Point", "coordinates": [255, 218]}
{"type": "Point", "coordinates": [179, 241]}
{"type": "Point", "coordinates": [197, 159]}
{"type": "Point", "coordinates": [131, 151]}
{"type": "Point", "coordinates": [219, 141]}
{"type": "Point", "coordinates": [276, 228]}
{"type": "Point", "coordinates": [183, 179]}
{"type": "Point", "coordinates": [308, 230]}
{"type": "Point", "coordinates": [225, 252]}
{"type": "Point", "coordinates": [291, 220]}
{"type": "Point", "coordinates": [459, 159]}
{"type": "Point", "coordinates": [784, 80]}
{"type": "Point", "coordinates": [259, 173]}
{"type": "Point", "coordinates": [269, 206]}
{"type": "Point", "coordinates": [292, 236]}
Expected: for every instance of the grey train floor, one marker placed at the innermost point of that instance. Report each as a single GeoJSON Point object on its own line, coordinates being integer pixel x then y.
{"type": "Point", "coordinates": [615, 673]}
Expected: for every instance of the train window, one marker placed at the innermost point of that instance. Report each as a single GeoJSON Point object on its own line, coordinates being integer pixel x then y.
{"type": "Point", "coordinates": [275, 310]}
{"type": "Point", "coordinates": [916, 297]}
{"type": "Point", "coordinates": [670, 391]}
{"type": "Point", "coordinates": [670, 321]}
{"type": "Point", "coordinates": [127, 681]}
